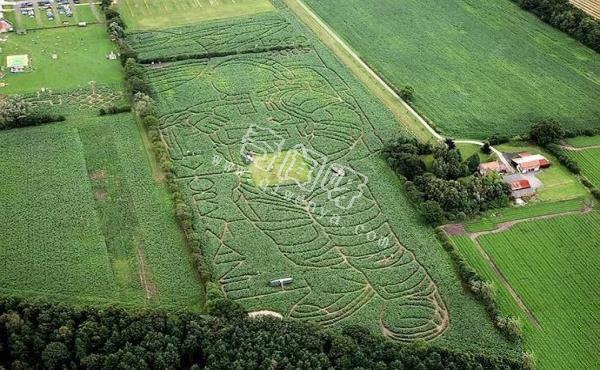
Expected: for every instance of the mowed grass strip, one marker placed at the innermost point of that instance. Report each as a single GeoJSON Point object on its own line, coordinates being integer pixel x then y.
{"type": "Point", "coordinates": [159, 14]}
{"type": "Point", "coordinates": [553, 265]}
{"type": "Point", "coordinates": [80, 58]}
{"type": "Point", "coordinates": [88, 222]}
{"type": "Point", "coordinates": [51, 241]}
{"type": "Point", "coordinates": [478, 68]}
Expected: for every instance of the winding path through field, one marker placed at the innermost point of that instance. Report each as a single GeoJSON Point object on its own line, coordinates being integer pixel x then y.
{"type": "Point", "coordinates": [303, 11]}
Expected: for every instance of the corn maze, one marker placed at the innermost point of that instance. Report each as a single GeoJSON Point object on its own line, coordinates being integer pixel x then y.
{"type": "Point", "coordinates": [263, 31]}
{"type": "Point", "coordinates": [80, 100]}
{"type": "Point", "coordinates": [331, 234]}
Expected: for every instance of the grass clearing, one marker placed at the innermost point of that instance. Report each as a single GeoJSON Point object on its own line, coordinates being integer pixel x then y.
{"type": "Point", "coordinates": [160, 14]}
{"type": "Point", "coordinates": [81, 58]}
{"type": "Point", "coordinates": [279, 168]}
{"type": "Point", "coordinates": [477, 68]}
{"type": "Point", "coordinates": [88, 224]}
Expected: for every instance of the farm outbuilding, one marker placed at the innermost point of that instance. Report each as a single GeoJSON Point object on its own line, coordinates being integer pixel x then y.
{"type": "Point", "coordinates": [17, 63]}
{"type": "Point", "coordinates": [526, 162]}
{"type": "Point", "coordinates": [495, 166]}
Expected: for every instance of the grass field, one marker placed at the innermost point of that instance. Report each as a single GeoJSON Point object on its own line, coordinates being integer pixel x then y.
{"type": "Point", "coordinates": [477, 68]}
{"type": "Point", "coordinates": [356, 251]}
{"type": "Point", "coordinates": [279, 168]}
{"type": "Point", "coordinates": [81, 58]}
{"type": "Point", "coordinates": [86, 222]}
{"type": "Point", "coordinates": [89, 13]}
{"type": "Point", "coordinates": [160, 14]}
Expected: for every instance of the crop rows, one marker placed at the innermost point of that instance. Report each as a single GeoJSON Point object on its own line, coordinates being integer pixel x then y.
{"type": "Point", "coordinates": [259, 32]}
{"type": "Point", "coordinates": [478, 68]}
{"type": "Point", "coordinates": [298, 98]}
{"type": "Point", "coordinates": [553, 265]}
{"type": "Point", "coordinates": [589, 162]}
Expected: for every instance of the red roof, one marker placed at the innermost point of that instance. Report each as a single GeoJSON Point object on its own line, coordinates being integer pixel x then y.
{"type": "Point", "coordinates": [520, 185]}
{"type": "Point", "coordinates": [532, 164]}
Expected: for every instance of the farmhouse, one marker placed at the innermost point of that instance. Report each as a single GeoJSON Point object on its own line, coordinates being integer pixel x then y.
{"type": "Point", "coordinates": [17, 63]}
{"type": "Point", "coordinates": [526, 162]}
{"type": "Point", "coordinates": [495, 166]}
{"type": "Point", "coordinates": [521, 188]}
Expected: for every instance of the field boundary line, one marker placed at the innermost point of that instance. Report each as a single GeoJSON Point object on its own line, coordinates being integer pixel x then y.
{"type": "Point", "coordinates": [374, 75]}
{"type": "Point", "coordinates": [505, 226]}
{"type": "Point", "coordinates": [571, 148]}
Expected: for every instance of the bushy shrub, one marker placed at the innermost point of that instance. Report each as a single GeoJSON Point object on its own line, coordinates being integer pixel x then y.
{"type": "Point", "coordinates": [546, 132]}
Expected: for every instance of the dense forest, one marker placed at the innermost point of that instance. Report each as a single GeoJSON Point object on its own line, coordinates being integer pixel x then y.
{"type": "Point", "coordinates": [36, 335]}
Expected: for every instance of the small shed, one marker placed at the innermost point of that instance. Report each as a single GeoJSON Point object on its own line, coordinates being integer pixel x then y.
{"type": "Point", "coordinates": [17, 63]}
{"type": "Point", "coordinates": [5, 26]}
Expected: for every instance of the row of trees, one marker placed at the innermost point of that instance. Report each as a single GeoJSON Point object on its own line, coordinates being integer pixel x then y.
{"type": "Point", "coordinates": [55, 336]}
{"type": "Point", "coordinates": [16, 112]}
{"type": "Point", "coordinates": [451, 189]}
{"type": "Point", "coordinates": [566, 17]}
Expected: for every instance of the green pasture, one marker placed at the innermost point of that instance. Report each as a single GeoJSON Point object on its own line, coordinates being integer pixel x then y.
{"type": "Point", "coordinates": [81, 58]}
{"type": "Point", "coordinates": [86, 220]}
{"type": "Point", "coordinates": [551, 264]}
{"type": "Point", "coordinates": [160, 14]}
{"type": "Point", "coordinates": [478, 68]}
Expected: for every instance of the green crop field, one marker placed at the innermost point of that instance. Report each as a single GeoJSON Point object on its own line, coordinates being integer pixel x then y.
{"type": "Point", "coordinates": [589, 163]}
{"type": "Point", "coordinates": [584, 141]}
{"type": "Point", "coordinates": [80, 59]}
{"type": "Point", "coordinates": [85, 220]}
{"type": "Point", "coordinates": [265, 30]}
{"type": "Point", "coordinates": [552, 265]}
{"type": "Point", "coordinates": [159, 14]}
{"type": "Point", "coordinates": [344, 232]}
{"type": "Point", "coordinates": [478, 68]}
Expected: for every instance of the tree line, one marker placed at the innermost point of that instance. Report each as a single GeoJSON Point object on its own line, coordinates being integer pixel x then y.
{"type": "Point", "coordinates": [567, 18]}
{"type": "Point", "coordinates": [452, 188]}
{"type": "Point", "coordinates": [57, 336]}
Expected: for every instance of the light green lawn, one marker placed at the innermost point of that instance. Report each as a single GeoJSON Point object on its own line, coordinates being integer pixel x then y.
{"type": "Point", "coordinates": [159, 14]}
{"type": "Point", "coordinates": [81, 58]}
{"type": "Point", "coordinates": [281, 168]}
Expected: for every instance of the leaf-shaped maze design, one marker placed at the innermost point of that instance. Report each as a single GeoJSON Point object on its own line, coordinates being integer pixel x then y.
{"type": "Point", "coordinates": [343, 263]}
